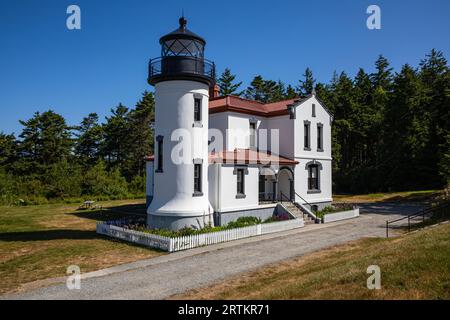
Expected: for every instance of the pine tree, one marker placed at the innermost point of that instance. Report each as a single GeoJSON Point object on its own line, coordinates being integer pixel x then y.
{"type": "Point", "coordinates": [116, 142]}
{"type": "Point", "coordinates": [89, 136]}
{"type": "Point", "coordinates": [406, 128]}
{"type": "Point", "coordinates": [383, 75]}
{"type": "Point", "coordinates": [306, 86]}
{"type": "Point", "coordinates": [45, 140]}
{"type": "Point", "coordinates": [141, 123]}
{"type": "Point", "coordinates": [291, 93]}
{"type": "Point", "coordinates": [227, 85]}
{"type": "Point", "coordinates": [435, 76]}
{"type": "Point", "coordinates": [257, 90]}
{"type": "Point", "coordinates": [8, 150]}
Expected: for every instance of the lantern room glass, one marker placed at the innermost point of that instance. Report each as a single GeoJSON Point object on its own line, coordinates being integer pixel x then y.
{"type": "Point", "coordinates": [183, 48]}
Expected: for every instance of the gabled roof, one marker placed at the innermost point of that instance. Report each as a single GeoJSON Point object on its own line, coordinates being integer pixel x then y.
{"type": "Point", "coordinates": [252, 107]}
{"type": "Point", "coordinates": [238, 104]}
{"type": "Point", "coordinates": [309, 96]}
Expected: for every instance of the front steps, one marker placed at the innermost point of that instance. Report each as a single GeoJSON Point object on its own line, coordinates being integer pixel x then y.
{"type": "Point", "coordinates": [296, 212]}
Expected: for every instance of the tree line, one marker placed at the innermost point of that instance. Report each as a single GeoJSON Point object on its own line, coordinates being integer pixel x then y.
{"type": "Point", "coordinates": [390, 133]}
{"type": "Point", "coordinates": [390, 130]}
{"type": "Point", "coordinates": [51, 160]}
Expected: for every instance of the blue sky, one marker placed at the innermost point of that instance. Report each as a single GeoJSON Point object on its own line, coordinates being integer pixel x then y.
{"type": "Point", "coordinates": [44, 65]}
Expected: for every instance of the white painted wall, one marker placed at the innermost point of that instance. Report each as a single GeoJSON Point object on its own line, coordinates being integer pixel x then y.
{"type": "Point", "coordinates": [301, 183]}
{"type": "Point", "coordinates": [304, 112]}
{"type": "Point", "coordinates": [174, 188]}
{"type": "Point", "coordinates": [235, 128]}
{"type": "Point", "coordinates": [213, 184]}
{"type": "Point", "coordinates": [228, 189]}
{"type": "Point", "coordinates": [149, 169]}
{"type": "Point", "coordinates": [285, 127]}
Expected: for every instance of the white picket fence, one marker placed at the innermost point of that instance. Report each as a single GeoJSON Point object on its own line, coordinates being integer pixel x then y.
{"type": "Point", "coordinates": [199, 240]}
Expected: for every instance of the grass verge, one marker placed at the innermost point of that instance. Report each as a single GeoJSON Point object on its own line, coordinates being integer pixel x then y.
{"type": "Point", "coordinates": [39, 242]}
{"type": "Point", "coordinates": [407, 196]}
{"type": "Point", "coordinates": [414, 266]}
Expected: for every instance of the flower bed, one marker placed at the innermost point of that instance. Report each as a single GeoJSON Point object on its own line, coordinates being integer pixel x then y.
{"type": "Point", "coordinates": [134, 231]}
{"type": "Point", "coordinates": [337, 212]}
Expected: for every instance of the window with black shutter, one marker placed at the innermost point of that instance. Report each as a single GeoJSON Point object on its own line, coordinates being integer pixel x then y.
{"type": "Point", "coordinates": [159, 167]}
{"type": "Point", "coordinates": [197, 110]}
{"type": "Point", "coordinates": [240, 181]}
{"type": "Point", "coordinates": [319, 137]}
{"type": "Point", "coordinates": [197, 178]}
{"type": "Point", "coordinates": [252, 134]}
{"type": "Point", "coordinates": [307, 137]}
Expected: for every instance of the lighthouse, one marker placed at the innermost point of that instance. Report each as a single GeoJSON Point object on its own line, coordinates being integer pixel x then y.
{"type": "Point", "coordinates": [182, 78]}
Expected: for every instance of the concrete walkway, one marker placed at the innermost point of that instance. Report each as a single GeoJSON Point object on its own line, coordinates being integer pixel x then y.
{"type": "Point", "coordinates": [161, 277]}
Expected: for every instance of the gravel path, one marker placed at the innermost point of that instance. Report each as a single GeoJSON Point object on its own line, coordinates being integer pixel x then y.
{"type": "Point", "coordinates": [162, 277]}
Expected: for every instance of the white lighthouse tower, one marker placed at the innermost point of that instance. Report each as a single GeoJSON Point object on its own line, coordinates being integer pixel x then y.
{"type": "Point", "coordinates": [182, 78]}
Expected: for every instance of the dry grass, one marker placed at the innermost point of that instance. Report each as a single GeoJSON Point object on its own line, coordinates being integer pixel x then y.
{"type": "Point", "coordinates": [409, 196]}
{"type": "Point", "coordinates": [40, 242]}
{"type": "Point", "coordinates": [415, 266]}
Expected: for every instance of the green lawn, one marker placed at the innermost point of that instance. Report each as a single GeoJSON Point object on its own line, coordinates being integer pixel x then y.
{"type": "Point", "coordinates": [423, 195]}
{"type": "Point", "coordinates": [414, 266]}
{"type": "Point", "coordinates": [38, 242]}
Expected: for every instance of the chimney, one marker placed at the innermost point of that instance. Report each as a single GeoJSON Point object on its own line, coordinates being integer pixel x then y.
{"type": "Point", "coordinates": [214, 91]}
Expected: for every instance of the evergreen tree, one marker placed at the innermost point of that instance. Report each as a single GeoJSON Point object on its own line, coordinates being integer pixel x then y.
{"type": "Point", "coordinates": [89, 137]}
{"type": "Point", "coordinates": [407, 134]}
{"type": "Point", "coordinates": [45, 140]}
{"type": "Point", "coordinates": [141, 122]}
{"type": "Point", "coordinates": [290, 93]}
{"type": "Point", "coordinates": [227, 85]}
{"type": "Point", "coordinates": [306, 86]}
{"type": "Point", "coordinates": [116, 142]}
{"type": "Point", "coordinates": [435, 76]}
{"type": "Point", "coordinates": [8, 150]}
{"type": "Point", "coordinates": [383, 75]}
{"type": "Point", "coordinates": [257, 90]}
{"type": "Point", "coordinates": [266, 91]}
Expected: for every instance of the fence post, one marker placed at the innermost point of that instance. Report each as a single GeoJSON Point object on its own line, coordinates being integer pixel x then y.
{"type": "Point", "coordinates": [409, 224]}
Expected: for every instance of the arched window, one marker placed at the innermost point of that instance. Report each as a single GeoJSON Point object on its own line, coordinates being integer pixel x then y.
{"type": "Point", "coordinates": [313, 168]}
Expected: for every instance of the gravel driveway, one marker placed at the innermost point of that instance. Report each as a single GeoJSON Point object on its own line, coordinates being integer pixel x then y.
{"type": "Point", "coordinates": [161, 277]}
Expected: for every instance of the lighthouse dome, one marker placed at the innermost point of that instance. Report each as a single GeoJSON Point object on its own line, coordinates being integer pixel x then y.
{"type": "Point", "coordinates": [182, 42]}
{"type": "Point", "coordinates": [182, 58]}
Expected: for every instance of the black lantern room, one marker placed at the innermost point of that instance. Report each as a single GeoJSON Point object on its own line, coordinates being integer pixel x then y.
{"type": "Point", "coordinates": [182, 58]}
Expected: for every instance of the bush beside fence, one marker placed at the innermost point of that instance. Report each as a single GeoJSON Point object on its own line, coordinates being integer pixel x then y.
{"type": "Point", "coordinates": [193, 241]}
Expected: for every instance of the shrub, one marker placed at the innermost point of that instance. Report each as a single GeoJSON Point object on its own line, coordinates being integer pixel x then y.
{"type": "Point", "coordinates": [243, 222]}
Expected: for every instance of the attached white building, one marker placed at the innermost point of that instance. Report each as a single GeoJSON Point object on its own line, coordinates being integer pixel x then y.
{"type": "Point", "coordinates": [219, 158]}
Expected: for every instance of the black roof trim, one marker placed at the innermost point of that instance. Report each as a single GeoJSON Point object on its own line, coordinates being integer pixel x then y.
{"type": "Point", "coordinates": [182, 33]}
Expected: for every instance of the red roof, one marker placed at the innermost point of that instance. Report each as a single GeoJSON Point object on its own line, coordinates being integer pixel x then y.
{"type": "Point", "coordinates": [248, 156]}
{"type": "Point", "coordinates": [244, 156]}
{"type": "Point", "coordinates": [238, 104]}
